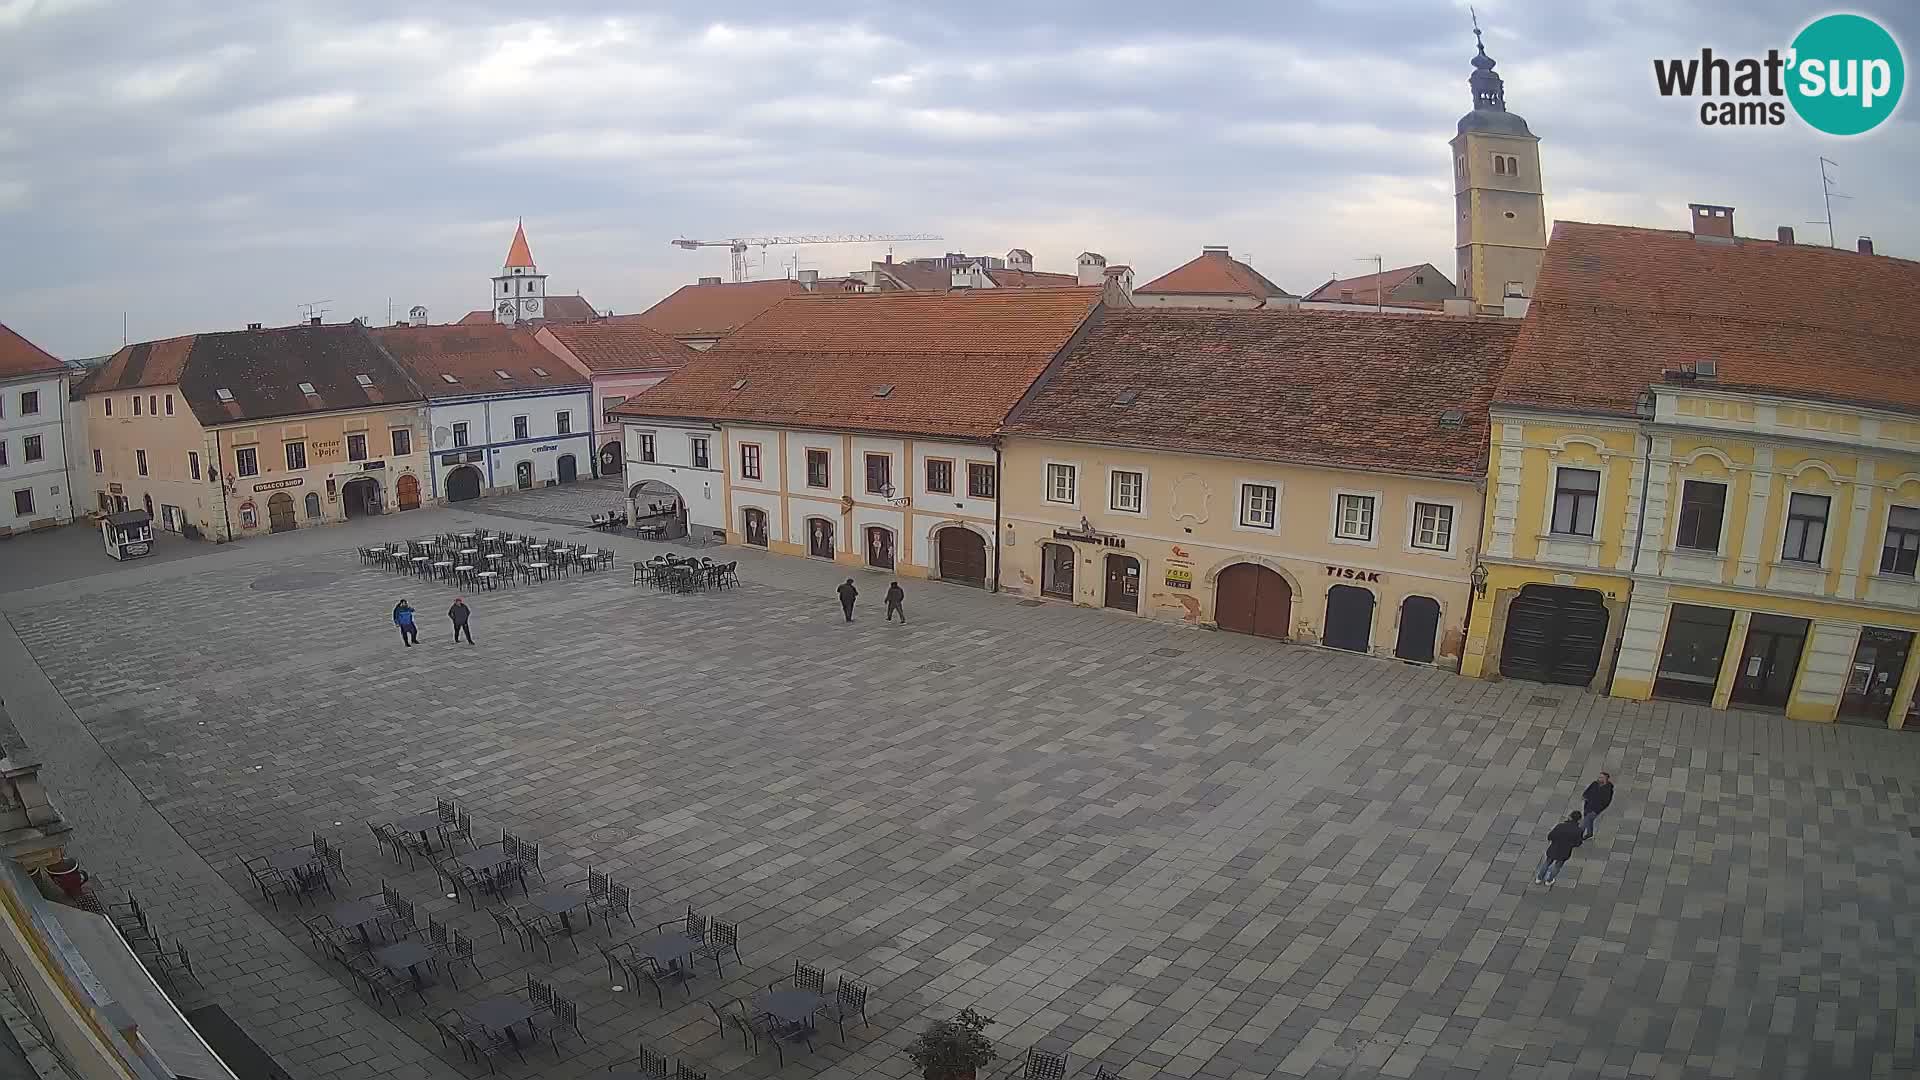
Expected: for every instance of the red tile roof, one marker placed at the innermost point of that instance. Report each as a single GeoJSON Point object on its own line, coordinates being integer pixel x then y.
{"type": "Point", "coordinates": [18, 356]}
{"type": "Point", "coordinates": [920, 276]}
{"type": "Point", "coordinates": [1328, 388]}
{"type": "Point", "coordinates": [474, 355]}
{"type": "Point", "coordinates": [1365, 287]}
{"type": "Point", "coordinates": [1033, 279]}
{"type": "Point", "coordinates": [557, 309]}
{"type": "Point", "coordinates": [518, 254]}
{"type": "Point", "coordinates": [147, 363]}
{"type": "Point", "coordinates": [1618, 305]}
{"type": "Point", "coordinates": [703, 311]}
{"type": "Point", "coordinates": [955, 362]}
{"type": "Point", "coordinates": [621, 344]}
{"type": "Point", "coordinates": [1214, 273]}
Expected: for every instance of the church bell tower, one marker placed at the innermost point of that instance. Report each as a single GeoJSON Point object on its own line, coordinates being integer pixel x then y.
{"type": "Point", "coordinates": [1500, 222]}
{"type": "Point", "coordinates": [520, 289]}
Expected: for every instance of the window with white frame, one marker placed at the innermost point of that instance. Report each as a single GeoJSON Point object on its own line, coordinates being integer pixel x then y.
{"type": "Point", "coordinates": [1353, 517]}
{"type": "Point", "coordinates": [460, 433]}
{"type": "Point", "coordinates": [1432, 526]}
{"type": "Point", "coordinates": [1576, 501]}
{"type": "Point", "coordinates": [749, 461]}
{"type": "Point", "coordinates": [1061, 481]}
{"type": "Point", "coordinates": [1259, 505]}
{"type": "Point", "coordinates": [1900, 551]}
{"type": "Point", "coordinates": [1126, 491]}
{"type": "Point", "coordinates": [699, 447]}
{"type": "Point", "coordinates": [519, 427]}
{"type": "Point", "coordinates": [1806, 528]}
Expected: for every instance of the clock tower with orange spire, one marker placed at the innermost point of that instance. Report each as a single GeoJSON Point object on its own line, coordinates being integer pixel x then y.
{"type": "Point", "coordinates": [520, 289]}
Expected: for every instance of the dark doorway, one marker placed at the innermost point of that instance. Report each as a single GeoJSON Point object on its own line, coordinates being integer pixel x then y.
{"type": "Point", "coordinates": [1878, 662]}
{"type": "Point", "coordinates": [523, 475]}
{"type": "Point", "coordinates": [1690, 659]}
{"type": "Point", "coordinates": [1554, 635]}
{"type": "Point", "coordinates": [1123, 582]}
{"type": "Point", "coordinates": [407, 492]}
{"type": "Point", "coordinates": [610, 459]}
{"type": "Point", "coordinates": [1253, 599]}
{"type": "Point", "coordinates": [879, 547]}
{"type": "Point", "coordinates": [313, 506]}
{"type": "Point", "coordinates": [280, 513]}
{"type": "Point", "coordinates": [463, 483]}
{"type": "Point", "coordinates": [147, 500]}
{"type": "Point", "coordinates": [1349, 619]}
{"type": "Point", "coordinates": [568, 469]}
{"type": "Point", "coordinates": [657, 503]}
{"type": "Point", "coordinates": [1056, 571]}
{"type": "Point", "coordinates": [820, 538]}
{"type": "Point", "coordinates": [1769, 661]}
{"type": "Point", "coordinates": [963, 556]}
{"type": "Point", "coordinates": [360, 498]}
{"type": "Point", "coordinates": [754, 526]}
{"type": "Point", "coordinates": [1419, 628]}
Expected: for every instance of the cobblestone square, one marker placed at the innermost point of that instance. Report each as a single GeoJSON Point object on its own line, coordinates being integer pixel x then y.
{"type": "Point", "coordinates": [1173, 852]}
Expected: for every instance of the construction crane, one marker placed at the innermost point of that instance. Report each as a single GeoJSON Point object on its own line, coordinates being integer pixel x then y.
{"type": "Point", "coordinates": [738, 245]}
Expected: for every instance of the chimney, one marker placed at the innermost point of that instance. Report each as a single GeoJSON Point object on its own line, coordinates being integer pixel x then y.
{"type": "Point", "coordinates": [1709, 221]}
{"type": "Point", "coordinates": [1093, 268]}
{"type": "Point", "coordinates": [809, 278]}
{"type": "Point", "coordinates": [418, 316]}
{"type": "Point", "coordinates": [709, 281]}
{"type": "Point", "coordinates": [1786, 235]}
{"type": "Point", "coordinates": [253, 326]}
{"type": "Point", "coordinates": [314, 321]}
{"type": "Point", "coordinates": [1020, 259]}
{"type": "Point", "coordinates": [1346, 296]}
{"type": "Point", "coordinates": [889, 261]}
{"type": "Point", "coordinates": [1215, 249]}
{"type": "Point", "coordinates": [962, 277]}
{"type": "Point", "coordinates": [1120, 281]}
{"type": "Point", "coordinates": [1866, 245]}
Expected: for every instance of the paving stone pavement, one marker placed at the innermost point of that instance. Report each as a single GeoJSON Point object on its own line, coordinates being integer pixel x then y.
{"type": "Point", "coordinates": [1174, 852]}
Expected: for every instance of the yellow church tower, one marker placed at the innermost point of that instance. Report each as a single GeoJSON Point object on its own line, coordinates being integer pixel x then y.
{"type": "Point", "coordinates": [1501, 221]}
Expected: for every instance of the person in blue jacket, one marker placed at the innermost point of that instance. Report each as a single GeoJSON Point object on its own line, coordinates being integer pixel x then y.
{"type": "Point", "coordinates": [403, 618]}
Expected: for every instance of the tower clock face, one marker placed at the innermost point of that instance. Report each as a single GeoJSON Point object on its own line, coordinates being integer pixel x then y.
{"type": "Point", "coordinates": [506, 307]}
{"type": "Point", "coordinates": [530, 304]}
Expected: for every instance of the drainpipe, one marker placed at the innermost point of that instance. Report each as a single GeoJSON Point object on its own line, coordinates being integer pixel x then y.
{"type": "Point", "coordinates": [66, 449]}
{"type": "Point", "coordinates": [999, 547]}
{"type": "Point", "coordinates": [1639, 533]}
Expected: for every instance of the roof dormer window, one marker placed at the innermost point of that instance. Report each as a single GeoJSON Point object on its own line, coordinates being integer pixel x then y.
{"type": "Point", "coordinates": [448, 378]}
{"type": "Point", "coordinates": [501, 373]}
{"type": "Point", "coordinates": [363, 380]}
{"type": "Point", "coordinates": [223, 394]}
{"type": "Point", "coordinates": [307, 388]}
{"type": "Point", "coordinates": [540, 371]}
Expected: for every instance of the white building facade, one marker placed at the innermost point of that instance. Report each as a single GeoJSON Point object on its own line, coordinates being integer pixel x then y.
{"type": "Point", "coordinates": [493, 443]}
{"type": "Point", "coordinates": [34, 488]}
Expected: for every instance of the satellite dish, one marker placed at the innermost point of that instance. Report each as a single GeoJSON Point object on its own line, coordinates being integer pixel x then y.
{"type": "Point", "coordinates": [442, 436]}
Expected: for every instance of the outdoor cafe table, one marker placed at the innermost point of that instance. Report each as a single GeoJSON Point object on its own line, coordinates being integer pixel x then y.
{"type": "Point", "coordinates": [465, 551]}
{"type": "Point", "coordinates": [500, 1014]}
{"type": "Point", "coordinates": [404, 955]}
{"type": "Point", "coordinates": [292, 859]}
{"type": "Point", "coordinates": [443, 566]}
{"type": "Point", "coordinates": [668, 950]}
{"type": "Point", "coordinates": [538, 568]}
{"type": "Point", "coordinates": [355, 915]}
{"type": "Point", "coordinates": [793, 1006]}
{"type": "Point", "coordinates": [426, 824]}
{"type": "Point", "coordinates": [560, 902]}
{"type": "Point", "coordinates": [485, 860]}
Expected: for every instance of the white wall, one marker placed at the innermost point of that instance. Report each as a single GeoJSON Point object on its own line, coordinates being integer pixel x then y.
{"type": "Point", "coordinates": [490, 429]}
{"type": "Point", "coordinates": [46, 478]}
{"type": "Point", "coordinates": [673, 465]}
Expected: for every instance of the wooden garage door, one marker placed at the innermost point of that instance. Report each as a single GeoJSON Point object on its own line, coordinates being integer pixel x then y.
{"type": "Point", "coordinates": [1252, 599]}
{"type": "Point", "coordinates": [963, 557]}
{"type": "Point", "coordinates": [1554, 635]}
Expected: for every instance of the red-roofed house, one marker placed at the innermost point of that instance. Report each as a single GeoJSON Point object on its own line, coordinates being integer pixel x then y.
{"type": "Point", "coordinates": [1706, 475]}
{"type": "Point", "coordinates": [1406, 288]}
{"type": "Point", "coordinates": [34, 486]}
{"type": "Point", "coordinates": [701, 314]}
{"type": "Point", "coordinates": [856, 428]}
{"type": "Point", "coordinates": [520, 293]}
{"type": "Point", "coordinates": [1213, 280]}
{"type": "Point", "coordinates": [622, 356]}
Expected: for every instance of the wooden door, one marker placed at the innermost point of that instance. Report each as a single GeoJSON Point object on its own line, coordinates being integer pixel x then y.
{"type": "Point", "coordinates": [963, 557]}
{"type": "Point", "coordinates": [1419, 626]}
{"type": "Point", "coordinates": [1253, 599]}
{"type": "Point", "coordinates": [280, 512]}
{"type": "Point", "coordinates": [408, 491]}
{"type": "Point", "coordinates": [1554, 635]}
{"type": "Point", "coordinates": [569, 470]}
{"type": "Point", "coordinates": [1123, 582]}
{"type": "Point", "coordinates": [820, 538]}
{"type": "Point", "coordinates": [879, 548]}
{"type": "Point", "coordinates": [755, 522]}
{"type": "Point", "coordinates": [1349, 619]}
{"type": "Point", "coordinates": [463, 483]}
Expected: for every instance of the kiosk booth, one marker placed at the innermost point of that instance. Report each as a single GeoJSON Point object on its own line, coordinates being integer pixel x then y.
{"type": "Point", "coordinates": [129, 534]}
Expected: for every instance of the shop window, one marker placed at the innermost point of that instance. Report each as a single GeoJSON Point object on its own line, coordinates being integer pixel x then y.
{"type": "Point", "coordinates": [1690, 659]}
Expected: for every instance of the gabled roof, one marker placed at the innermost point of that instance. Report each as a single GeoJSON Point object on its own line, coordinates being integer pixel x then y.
{"type": "Point", "coordinates": [702, 311]}
{"type": "Point", "coordinates": [1215, 273]}
{"type": "Point", "coordinates": [625, 343]}
{"type": "Point", "coordinates": [261, 371]}
{"type": "Point", "coordinates": [557, 309]}
{"type": "Point", "coordinates": [518, 253]}
{"type": "Point", "coordinates": [1365, 287]}
{"type": "Point", "coordinates": [474, 356]}
{"type": "Point", "coordinates": [1327, 388]}
{"type": "Point", "coordinates": [919, 276]}
{"type": "Point", "coordinates": [18, 356]}
{"type": "Point", "coordinates": [1616, 306]}
{"type": "Point", "coordinates": [912, 363]}
{"type": "Point", "coordinates": [1032, 279]}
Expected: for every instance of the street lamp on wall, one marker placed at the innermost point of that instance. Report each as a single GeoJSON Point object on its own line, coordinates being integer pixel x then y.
{"type": "Point", "coordinates": [1479, 579]}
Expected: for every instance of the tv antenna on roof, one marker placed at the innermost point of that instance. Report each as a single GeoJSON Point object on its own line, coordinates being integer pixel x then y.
{"type": "Point", "coordinates": [1379, 302]}
{"type": "Point", "coordinates": [313, 310]}
{"type": "Point", "coordinates": [1827, 195]}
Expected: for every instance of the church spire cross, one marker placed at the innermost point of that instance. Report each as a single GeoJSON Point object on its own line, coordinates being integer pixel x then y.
{"type": "Point", "coordinates": [1488, 90]}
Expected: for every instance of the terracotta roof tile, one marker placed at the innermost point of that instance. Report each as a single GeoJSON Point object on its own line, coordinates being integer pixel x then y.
{"type": "Point", "coordinates": [920, 276]}
{"type": "Point", "coordinates": [518, 253]}
{"type": "Point", "coordinates": [1033, 279]}
{"type": "Point", "coordinates": [1616, 306]}
{"type": "Point", "coordinates": [1214, 273]}
{"type": "Point", "coordinates": [1363, 288]}
{"type": "Point", "coordinates": [717, 310]}
{"type": "Point", "coordinates": [1328, 388]}
{"type": "Point", "coordinates": [625, 343]}
{"type": "Point", "coordinates": [18, 356]}
{"type": "Point", "coordinates": [474, 355]}
{"type": "Point", "coordinates": [145, 363]}
{"type": "Point", "coordinates": [955, 361]}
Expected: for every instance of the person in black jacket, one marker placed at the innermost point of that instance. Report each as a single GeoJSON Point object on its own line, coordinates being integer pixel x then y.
{"type": "Point", "coordinates": [895, 597]}
{"type": "Point", "coordinates": [1598, 796]}
{"type": "Point", "coordinates": [460, 613]}
{"type": "Point", "coordinates": [847, 595]}
{"type": "Point", "coordinates": [1560, 844]}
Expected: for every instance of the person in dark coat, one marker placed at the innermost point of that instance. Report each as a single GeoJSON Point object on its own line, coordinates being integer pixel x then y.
{"type": "Point", "coordinates": [1560, 844]}
{"type": "Point", "coordinates": [847, 596]}
{"type": "Point", "coordinates": [460, 613]}
{"type": "Point", "coordinates": [1597, 797]}
{"type": "Point", "coordinates": [403, 618]}
{"type": "Point", "coordinates": [895, 597]}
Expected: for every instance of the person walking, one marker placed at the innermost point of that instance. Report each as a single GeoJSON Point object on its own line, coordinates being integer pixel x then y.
{"type": "Point", "coordinates": [895, 597]}
{"type": "Point", "coordinates": [460, 613]}
{"type": "Point", "coordinates": [1597, 797]}
{"type": "Point", "coordinates": [847, 596]}
{"type": "Point", "coordinates": [403, 618]}
{"type": "Point", "coordinates": [1560, 844]}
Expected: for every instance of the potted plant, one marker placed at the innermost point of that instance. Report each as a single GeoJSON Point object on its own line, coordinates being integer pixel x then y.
{"type": "Point", "coordinates": [953, 1049]}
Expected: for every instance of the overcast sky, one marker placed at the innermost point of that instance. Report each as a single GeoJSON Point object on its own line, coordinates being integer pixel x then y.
{"type": "Point", "coordinates": [200, 166]}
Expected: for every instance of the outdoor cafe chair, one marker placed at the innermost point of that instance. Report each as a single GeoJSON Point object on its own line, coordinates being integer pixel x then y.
{"type": "Point", "coordinates": [457, 828]}
{"type": "Point", "coordinates": [1044, 1065]}
{"type": "Point", "coordinates": [722, 938]}
{"type": "Point", "coordinates": [684, 1071]}
{"type": "Point", "coordinates": [849, 999]}
{"type": "Point", "coordinates": [566, 1020]}
{"type": "Point", "coordinates": [650, 1064]}
{"type": "Point", "coordinates": [538, 926]}
{"type": "Point", "coordinates": [451, 1029]}
{"type": "Point", "coordinates": [485, 1045]}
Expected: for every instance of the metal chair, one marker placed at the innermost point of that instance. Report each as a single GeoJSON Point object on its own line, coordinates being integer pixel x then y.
{"type": "Point", "coordinates": [739, 1017]}
{"type": "Point", "coordinates": [807, 977]}
{"type": "Point", "coordinates": [462, 954]}
{"type": "Point", "coordinates": [455, 826]}
{"type": "Point", "coordinates": [308, 880]}
{"type": "Point", "coordinates": [334, 865]}
{"type": "Point", "coordinates": [539, 992]}
{"type": "Point", "coordinates": [541, 928]}
{"type": "Point", "coordinates": [485, 1045]}
{"type": "Point", "coordinates": [849, 998]}
{"type": "Point", "coordinates": [566, 1020]}
{"type": "Point", "coordinates": [648, 1064]}
{"type": "Point", "coordinates": [645, 968]}
{"type": "Point", "coordinates": [183, 964]}
{"type": "Point", "coordinates": [1105, 1073]}
{"type": "Point", "coordinates": [1044, 1065]}
{"type": "Point", "coordinates": [504, 922]}
{"type": "Point", "coordinates": [451, 1032]}
{"type": "Point", "coordinates": [398, 917]}
{"type": "Point", "coordinates": [685, 1071]}
{"type": "Point", "coordinates": [619, 902]}
{"type": "Point", "coordinates": [722, 938]}
{"type": "Point", "coordinates": [528, 856]}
